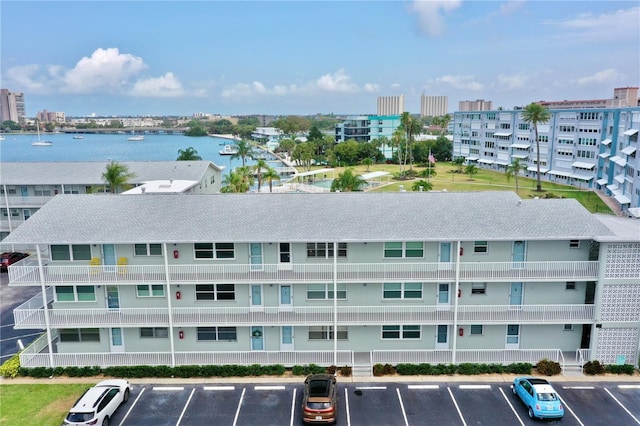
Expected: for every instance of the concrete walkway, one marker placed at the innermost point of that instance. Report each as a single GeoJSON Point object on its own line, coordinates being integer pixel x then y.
{"type": "Point", "coordinates": [613, 205]}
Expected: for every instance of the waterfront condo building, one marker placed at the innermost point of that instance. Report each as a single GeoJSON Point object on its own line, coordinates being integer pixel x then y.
{"type": "Point", "coordinates": [365, 128]}
{"type": "Point", "coordinates": [11, 106]}
{"type": "Point", "coordinates": [332, 279]}
{"type": "Point", "coordinates": [391, 105]}
{"type": "Point", "coordinates": [434, 106]}
{"type": "Point", "coordinates": [593, 148]}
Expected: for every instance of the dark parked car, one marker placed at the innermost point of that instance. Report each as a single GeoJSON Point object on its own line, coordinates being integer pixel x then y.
{"type": "Point", "coordinates": [319, 400]}
{"type": "Point", "coordinates": [9, 258]}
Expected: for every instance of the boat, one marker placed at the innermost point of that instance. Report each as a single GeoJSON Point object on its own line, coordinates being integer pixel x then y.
{"type": "Point", "coordinates": [41, 142]}
{"type": "Point", "coordinates": [135, 137]}
{"type": "Point", "coordinates": [228, 150]}
{"type": "Point", "coordinates": [78, 136]}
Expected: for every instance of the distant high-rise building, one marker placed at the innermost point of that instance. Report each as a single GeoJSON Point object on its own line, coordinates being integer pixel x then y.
{"type": "Point", "coordinates": [623, 97]}
{"type": "Point", "coordinates": [11, 106]}
{"type": "Point", "coordinates": [51, 117]}
{"type": "Point", "coordinates": [477, 105]}
{"type": "Point", "coordinates": [433, 106]}
{"type": "Point", "coordinates": [390, 105]}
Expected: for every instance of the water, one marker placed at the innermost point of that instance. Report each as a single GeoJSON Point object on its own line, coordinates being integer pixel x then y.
{"type": "Point", "coordinates": [18, 148]}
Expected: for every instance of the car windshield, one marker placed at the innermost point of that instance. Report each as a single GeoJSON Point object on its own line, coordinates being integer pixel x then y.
{"type": "Point", "coordinates": [546, 396]}
{"type": "Point", "coordinates": [318, 405]}
{"type": "Point", "coordinates": [79, 417]}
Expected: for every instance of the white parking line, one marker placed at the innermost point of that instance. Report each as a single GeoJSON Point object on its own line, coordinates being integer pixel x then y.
{"type": "Point", "coordinates": [184, 409]}
{"type": "Point", "coordinates": [168, 388]}
{"type": "Point", "coordinates": [423, 387]}
{"type": "Point", "coordinates": [293, 407]}
{"type": "Point", "coordinates": [214, 388]}
{"type": "Point", "coordinates": [269, 388]}
{"type": "Point", "coordinates": [511, 406]}
{"type": "Point", "coordinates": [131, 408]}
{"type": "Point", "coordinates": [475, 386]}
{"type": "Point", "coordinates": [623, 407]}
{"type": "Point", "coordinates": [371, 387]}
{"type": "Point", "coordinates": [564, 403]}
{"type": "Point", "coordinates": [456, 405]}
{"type": "Point", "coordinates": [346, 403]}
{"type": "Point", "coordinates": [235, 419]}
{"type": "Point", "coordinates": [404, 414]}
{"type": "Point", "coordinates": [628, 386]}
{"type": "Point", "coordinates": [579, 387]}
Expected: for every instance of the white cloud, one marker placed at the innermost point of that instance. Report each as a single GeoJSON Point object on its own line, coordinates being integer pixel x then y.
{"type": "Point", "coordinates": [466, 82]}
{"type": "Point", "coordinates": [371, 87]}
{"type": "Point", "coordinates": [395, 85]}
{"type": "Point", "coordinates": [513, 82]}
{"type": "Point", "coordinates": [337, 82]}
{"type": "Point", "coordinates": [25, 77]}
{"type": "Point", "coordinates": [510, 7]}
{"type": "Point", "coordinates": [166, 86]}
{"type": "Point", "coordinates": [621, 24]}
{"type": "Point", "coordinates": [430, 19]}
{"type": "Point", "coordinates": [608, 76]}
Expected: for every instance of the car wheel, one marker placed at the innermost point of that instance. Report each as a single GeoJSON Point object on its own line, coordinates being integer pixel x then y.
{"type": "Point", "coordinates": [531, 414]}
{"type": "Point", "coordinates": [126, 395]}
{"type": "Point", "coordinates": [513, 389]}
{"type": "Point", "coordinates": [105, 421]}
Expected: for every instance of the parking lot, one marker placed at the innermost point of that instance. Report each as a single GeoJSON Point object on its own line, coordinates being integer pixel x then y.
{"type": "Point", "coordinates": [376, 404]}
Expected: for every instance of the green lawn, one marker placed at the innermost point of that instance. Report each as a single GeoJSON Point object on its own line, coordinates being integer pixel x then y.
{"type": "Point", "coordinates": [486, 180]}
{"type": "Point", "coordinates": [37, 405]}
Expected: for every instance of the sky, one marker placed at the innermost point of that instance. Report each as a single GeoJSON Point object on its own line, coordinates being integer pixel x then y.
{"type": "Point", "coordinates": [309, 57]}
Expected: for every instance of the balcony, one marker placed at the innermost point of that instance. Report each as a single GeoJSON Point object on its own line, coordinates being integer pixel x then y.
{"type": "Point", "coordinates": [31, 315]}
{"type": "Point", "coordinates": [28, 273]}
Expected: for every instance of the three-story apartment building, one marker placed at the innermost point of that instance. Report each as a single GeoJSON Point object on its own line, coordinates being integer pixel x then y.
{"type": "Point", "coordinates": [338, 278]}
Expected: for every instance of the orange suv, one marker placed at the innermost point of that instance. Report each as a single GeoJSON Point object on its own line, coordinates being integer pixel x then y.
{"type": "Point", "coordinates": [319, 401]}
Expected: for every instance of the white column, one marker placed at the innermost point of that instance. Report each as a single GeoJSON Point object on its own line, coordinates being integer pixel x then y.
{"type": "Point", "coordinates": [168, 281]}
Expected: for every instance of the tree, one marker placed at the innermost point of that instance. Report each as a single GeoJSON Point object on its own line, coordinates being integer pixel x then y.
{"type": "Point", "coordinates": [421, 185]}
{"type": "Point", "coordinates": [237, 181]}
{"type": "Point", "coordinates": [471, 170]}
{"type": "Point", "coordinates": [314, 134]}
{"type": "Point", "coordinates": [411, 127]}
{"type": "Point", "coordinates": [303, 154]}
{"type": "Point", "coordinates": [347, 181]}
{"type": "Point", "coordinates": [188, 154]}
{"type": "Point", "coordinates": [243, 150]}
{"type": "Point", "coordinates": [258, 167]}
{"type": "Point", "coordinates": [270, 175]}
{"type": "Point", "coordinates": [116, 175]}
{"type": "Point", "coordinates": [514, 169]}
{"type": "Point", "coordinates": [367, 162]}
{"type": "Point", "coordinates": [459, 162]}
{"type": "Point", "coordinates": [535, 113]}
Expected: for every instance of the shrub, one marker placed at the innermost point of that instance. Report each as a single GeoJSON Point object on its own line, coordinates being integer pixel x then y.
{"type": "Point", "coordinates": [593, 368]}
{"type": "Point", "coordinates": [377, 370]}
{"type": "Point", "coordinates": [620, 369]}
{"type": "Point", "coordinates": [519, 368]}
{"type": "Point", "coordinates": [11, 367]}
{"type": "Point", "coordinates": [548, 367]}
{"type": "Point", "coordinates": [346, 371]}
{"type": "Point", "coordinates": [332, 369]}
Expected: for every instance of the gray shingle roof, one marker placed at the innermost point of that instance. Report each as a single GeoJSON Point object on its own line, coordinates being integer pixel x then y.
{"type": "Point", "coordinates": [406, 216]}
{"type": "Point", "coordinates": [90, 172]}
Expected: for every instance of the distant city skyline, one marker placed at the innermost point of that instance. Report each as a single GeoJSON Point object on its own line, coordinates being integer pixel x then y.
{"type": "Point", "coordinates": [233, 58]}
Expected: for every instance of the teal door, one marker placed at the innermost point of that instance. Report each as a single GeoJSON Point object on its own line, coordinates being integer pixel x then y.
{"type": "Point", "coordinates": [519, 254]}
{"type": "Point", "coordinates": [256, 296]}
{"type": "Point", "coordinates": [286, 342]}
{"type": "Point", "coordinates": [442, 337]}
{"type": "Point", "coordinates": [255, 256]}
{"type": "Point", "coordinates": [257, 339]}
{"type": "Point", "coordinates": [445, 252]}
{"type": "Point", "coordinates": [515, 294]}
{"type": "Point", "coordinates": [286, 298]}
{"type": "Point", "coordinates": [109, 256]}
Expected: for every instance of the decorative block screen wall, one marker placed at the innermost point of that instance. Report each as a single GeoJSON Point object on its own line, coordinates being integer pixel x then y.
{"type": "Point", "coordinates": [623, 261]}
{"type": "Point", "coordinates": [613, 342]}
{"type": "Point", "coordinates": [620, 302]}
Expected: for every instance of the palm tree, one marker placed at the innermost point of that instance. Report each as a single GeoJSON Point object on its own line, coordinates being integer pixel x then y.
{"type": "Point", "coordinates": [237, 181]}
{"type": "Point", "coordinates": [514, 169]}
{"type": "Point", "coordinates": [270, 175]}
{"type": "Point", "coordinates": [116, 175]}
{"type": "Point", "coordinates": [535, 113]}
{"type": "Point", "coordinates": [243, 150]}
{"type": "Point", "coordinates": [421, 185]}
{"type": "Point", "coordinates": [471, 170]}
{"type": "Point", "coordinates": [188, 154]}
{"type": "Point", "coordinates": [411, 127]}
{"type": "Point", "coordinates": [258, 167]}
{"type": "Point", "coordinates": [396, 142]}
{"type": "Point", "coordinates": [459, 162]}
{"type": "Point", "coordinates": [348, 182]}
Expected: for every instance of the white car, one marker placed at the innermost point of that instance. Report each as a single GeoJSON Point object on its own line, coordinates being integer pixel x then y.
{"type": "Point", "coordinates": [97, 404]}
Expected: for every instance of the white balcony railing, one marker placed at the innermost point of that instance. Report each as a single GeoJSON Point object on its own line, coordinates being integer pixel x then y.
{"type": "Point", "coordinates": [30, 315]}
{"type": "Point", "coordinates": [29, 274]}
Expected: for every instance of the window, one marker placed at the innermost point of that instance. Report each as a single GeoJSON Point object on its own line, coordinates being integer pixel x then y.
{"type": "Point", "coordinates": [215, 292]}
{"type": "Point", "coordinates": [211, 250]}
{"type": "Point", "coordinates": [400, 332]}
{"type": "Point", "coordinates": [203, 250]}
{"type": "Point", "coordinates": [325, 250]}
{"type": "Point", "coordinates": [574, 244]}
{"type": "Point", "coordinates": [147, 249]}
{"type": "Point", "coordinates": [568, 327]}
{"type": "Point", "coordinates": [225, 251]}
{"type": "Point", "coordinates": [407, 249]}
{"type": "Point", "coordinates": [571, 285]}
{"type": "Point", "coordinates": [325, 291]}
{"type": "Point", "coordinates": [478, 288]}
{"type": "Point", "coordinates": [80, 293]}
{"type": "Point", "coordinates": [150, 290]}
{"type": "Point", "coordinates": [227, 334]}
{"type": "Point", "coordinates": [80, 335]}
{"type": "Point", "coordinates": [480, 246]}
{"type": "Point", "coordinates": [73, 252]}
{"type": "Point", "coordinates": [154, 332]}
{"type": "Point", "coordinates": [402, 291]}
{"type": "Point", "coordinates": [323, 332]}
{"type": "Point", "coordinates": [476, 330]}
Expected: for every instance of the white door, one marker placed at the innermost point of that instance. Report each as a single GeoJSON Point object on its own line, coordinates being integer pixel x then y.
{"type": "Point", "coordinates": [116, 340]}
{"type": "Point", "coordinates": [257, 338]}
{"type": "Point", "coordinates": [284, 256]}
{"type": "Point", "coordinates": [286, 338]}
{"type": "Point", "coordinates": [442, 337]}
{"type": "Point", "coordinates": [256, 298]}
{"type": "Point", "coordinates": [444, 296]}
{"type": "Point", "coordinates": [513, 337]}
{"type": "Point", "coordinates": [286, 298]}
